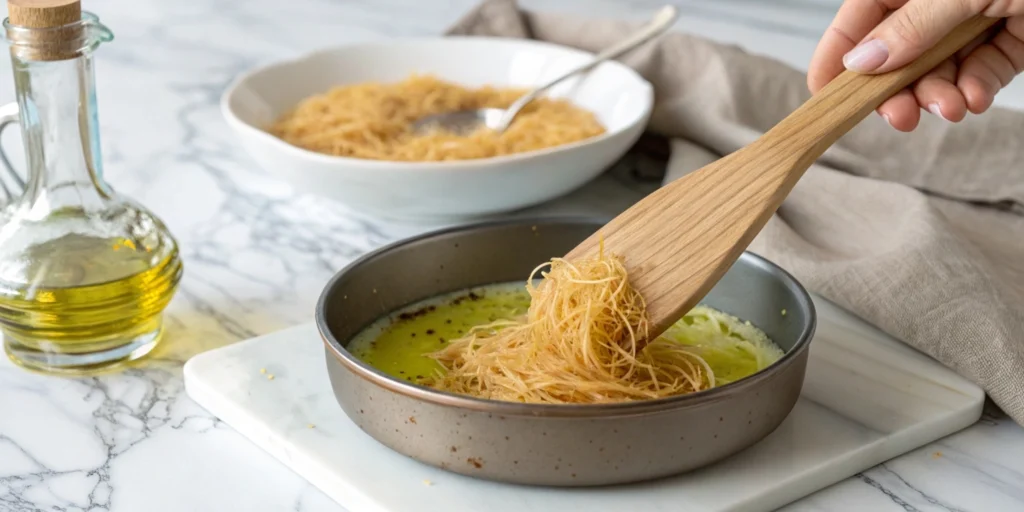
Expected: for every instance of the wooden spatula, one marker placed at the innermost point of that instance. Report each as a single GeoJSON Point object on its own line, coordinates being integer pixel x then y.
{"type": "Point", "coordinates": [680, 240]}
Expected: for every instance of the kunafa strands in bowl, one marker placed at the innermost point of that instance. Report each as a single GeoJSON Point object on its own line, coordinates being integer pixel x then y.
{"type": "Point", "coordinates": [374, 121]}
{"type": "Point", "coordinates": [582, 341]}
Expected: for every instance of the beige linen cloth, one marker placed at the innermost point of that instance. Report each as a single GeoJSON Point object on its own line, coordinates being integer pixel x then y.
{"type": "Point", "coordinates": [921, 234]}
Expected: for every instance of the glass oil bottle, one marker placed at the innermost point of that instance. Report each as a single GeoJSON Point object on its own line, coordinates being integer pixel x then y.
{"type": "Point", "coordinates": [85, 274]}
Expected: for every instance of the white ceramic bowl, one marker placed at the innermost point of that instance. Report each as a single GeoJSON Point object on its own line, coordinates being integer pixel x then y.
{"type": "Point", "coordinates": [427, 191]}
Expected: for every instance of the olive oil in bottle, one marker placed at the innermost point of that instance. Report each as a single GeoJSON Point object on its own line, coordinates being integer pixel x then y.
{"type": "Point", "coordinates": [85, 274]}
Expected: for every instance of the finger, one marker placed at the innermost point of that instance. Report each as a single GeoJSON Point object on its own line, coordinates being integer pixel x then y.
{"type": "Point", "coordinates": [937, 93]}
{"type": "Point", "coordinates": [1010, 41]}
{"type": "Point", "coordinates": [989, 68]}
{"type": "Point", "coordinates": [1003, 9]}
{"type": "Point", "coordinates": [901, 111]}
{"type": "Point", "coordinates": [853, 21]}
{"type": "Point", "coordinates": [962, 53]}
{"type": "Point", "coordinates": [907, 33]}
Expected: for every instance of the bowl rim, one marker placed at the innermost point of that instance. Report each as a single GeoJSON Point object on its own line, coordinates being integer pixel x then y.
{"type": "Point", "coordinates": [646, 89]}
{"type": "Point", "coordinates": [441, 398]}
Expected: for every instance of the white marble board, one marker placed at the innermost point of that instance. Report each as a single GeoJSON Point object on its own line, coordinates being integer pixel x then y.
{"type": "Point", "coordinates": [867, 398]}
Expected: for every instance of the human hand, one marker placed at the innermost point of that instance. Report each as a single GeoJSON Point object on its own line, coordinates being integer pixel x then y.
{"type": "Point", "coordinates": [875, 36]}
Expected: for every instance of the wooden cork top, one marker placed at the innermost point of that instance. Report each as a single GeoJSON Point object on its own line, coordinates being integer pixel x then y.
{"type": "Point", "coordinates": [44, 13]}
{"type": "Point", "coordinates": [29, 34]}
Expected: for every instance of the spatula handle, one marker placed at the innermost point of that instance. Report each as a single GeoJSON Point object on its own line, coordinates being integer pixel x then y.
{"type": "Point", "coordinates": [851, 97]}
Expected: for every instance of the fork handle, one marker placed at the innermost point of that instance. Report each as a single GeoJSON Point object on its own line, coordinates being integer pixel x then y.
{"type": "Point", "coordinates": [661, 21]}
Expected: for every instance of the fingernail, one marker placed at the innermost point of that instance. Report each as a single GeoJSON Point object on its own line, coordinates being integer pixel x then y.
{"type": "Point", "coordinates": [887, 119]}
{"type": "Point", "coordinates": [936, 111]}
{"type": "Point", "coordinates": [867, 56]}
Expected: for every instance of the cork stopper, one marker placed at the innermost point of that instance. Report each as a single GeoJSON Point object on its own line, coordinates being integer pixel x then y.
{"type": "Point", "coordinates": [43, 13]}
{"type": "Point", "coordinates": [35, 31]}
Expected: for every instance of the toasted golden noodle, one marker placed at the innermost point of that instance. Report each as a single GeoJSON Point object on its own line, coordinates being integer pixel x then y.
{"type": "Point", "coordinates": [582, 341]}
{"type": "Point", "coordinates": [373, 121]}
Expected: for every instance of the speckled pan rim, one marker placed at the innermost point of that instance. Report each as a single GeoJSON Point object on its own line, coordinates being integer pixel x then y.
{"type": "Point", "coordinates": [378, 378]}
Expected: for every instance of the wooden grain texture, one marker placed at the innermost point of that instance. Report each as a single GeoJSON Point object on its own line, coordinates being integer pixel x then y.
{"type": "Point", "coordinates": [43, 13]}
{"type": "Point", "coordinates": [47, 30]}
{"type": "Point", "coordinates": [679, 241]}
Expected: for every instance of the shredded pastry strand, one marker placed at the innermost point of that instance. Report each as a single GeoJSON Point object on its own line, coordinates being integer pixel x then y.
{"type": "Point", "coordinates": [374, 120]}
{"type": "Point", "coordinates": [582, 341]}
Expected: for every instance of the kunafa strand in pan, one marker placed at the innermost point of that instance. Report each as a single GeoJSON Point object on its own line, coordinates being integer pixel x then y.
{"type": "Point", "coordinates": [582, 339]}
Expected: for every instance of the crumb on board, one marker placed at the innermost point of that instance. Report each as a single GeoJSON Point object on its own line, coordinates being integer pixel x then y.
{"type": "Point", "coordinates": [263, 371]}
{"type": "Point", "coordinates": [937, 455]}
{"type": "Point", "coordinates": [344, 296]}
{"type": "Point", "coordinates": [428, 483]}
{"type": "Point", "coordinates": [783, 312]}
{"type": "Point", "coordinates": [311, 426]}
{"type": "Point", "coordinates": [374, 290]}
{"type": "Point", "coordinates": [270, 376]}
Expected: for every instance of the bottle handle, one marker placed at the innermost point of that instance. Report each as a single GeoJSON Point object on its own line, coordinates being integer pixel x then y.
{"type": "Point", "coordinates": [9, 114]}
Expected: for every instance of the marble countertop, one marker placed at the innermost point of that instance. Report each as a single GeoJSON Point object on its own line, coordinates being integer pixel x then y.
{"type": "Point", "coordinates": [257, 255]}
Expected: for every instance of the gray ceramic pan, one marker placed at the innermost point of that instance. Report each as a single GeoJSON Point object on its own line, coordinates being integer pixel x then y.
{"type": "Point", "coordinates": [556, 445]}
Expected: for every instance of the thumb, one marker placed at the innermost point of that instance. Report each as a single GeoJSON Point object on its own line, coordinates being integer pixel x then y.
{"type": "Point", "coordinates": [908, 32]}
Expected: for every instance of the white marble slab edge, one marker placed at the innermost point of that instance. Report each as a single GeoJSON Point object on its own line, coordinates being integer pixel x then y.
{"type": "Point", "coordinates": [257, 255]}
{"type": "Point", "coordinates": [808, 480]}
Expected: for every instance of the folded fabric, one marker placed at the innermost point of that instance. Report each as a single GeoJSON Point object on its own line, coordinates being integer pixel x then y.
{"type": "Point", "coordinates": [920, 234]}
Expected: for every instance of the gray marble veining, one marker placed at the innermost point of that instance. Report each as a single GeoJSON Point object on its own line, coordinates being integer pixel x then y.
{"type": "Point", "coordinates": [257, 255]}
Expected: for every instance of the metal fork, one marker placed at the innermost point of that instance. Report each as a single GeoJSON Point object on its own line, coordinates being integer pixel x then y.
{"type": "Point", "coordinates": [12, 185]}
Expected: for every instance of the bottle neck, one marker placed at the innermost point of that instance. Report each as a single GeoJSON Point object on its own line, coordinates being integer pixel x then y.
{"type": "Point", "coordinates": [60, 131]}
